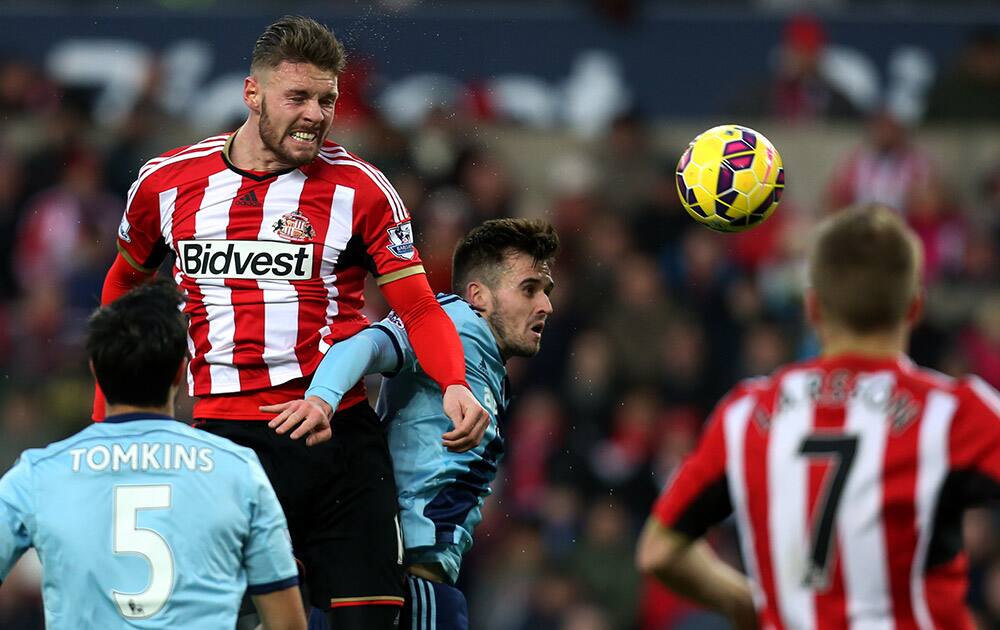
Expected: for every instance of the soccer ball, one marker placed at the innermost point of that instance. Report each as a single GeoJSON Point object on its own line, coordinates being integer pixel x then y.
{"type": "Point", "coordinates": [730, 178]}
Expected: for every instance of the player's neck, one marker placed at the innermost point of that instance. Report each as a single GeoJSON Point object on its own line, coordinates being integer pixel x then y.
{"type": "Point", "coordinates": [248, 153]}
{"type": "Point", "coordinates": [117, 410]}
{"type": "Point", "coordinates": [881, 345]}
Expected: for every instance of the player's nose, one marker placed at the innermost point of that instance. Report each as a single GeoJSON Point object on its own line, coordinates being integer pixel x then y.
{"type": "Point", "coordinates": [544, 304]}
{"type": "Point", "coordinates": [313, 111]}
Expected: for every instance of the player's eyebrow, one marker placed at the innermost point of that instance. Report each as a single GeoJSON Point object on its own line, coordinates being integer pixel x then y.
{"type": "Point", "coordinates": [547, 283]}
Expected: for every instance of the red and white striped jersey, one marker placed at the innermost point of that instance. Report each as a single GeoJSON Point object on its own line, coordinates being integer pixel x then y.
{"type": "Point", "coordinates": [272, 264]}
{"type": "Point", "coordinates": [848, 477]}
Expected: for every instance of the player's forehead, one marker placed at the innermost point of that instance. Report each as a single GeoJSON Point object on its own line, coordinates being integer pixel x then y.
{"type": "Point", "coordinates": [300, 75]}
{"type": "Point", "coordinates": [521, 267]}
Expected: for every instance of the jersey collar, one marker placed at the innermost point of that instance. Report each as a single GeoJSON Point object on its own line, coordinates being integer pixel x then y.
{"type": "Point", "coordinates": [129, 417]}
{"type": "Point", "coordinates": [254, 175]}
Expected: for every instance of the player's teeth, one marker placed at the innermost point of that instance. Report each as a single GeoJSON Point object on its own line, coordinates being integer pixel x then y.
{"type": "Point", "coordinates": [303, 136]}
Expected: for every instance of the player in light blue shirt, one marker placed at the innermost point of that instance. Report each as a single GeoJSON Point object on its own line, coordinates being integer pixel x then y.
{"type": "Point", "coordinates": [502, 279]}
{"type": "Point", "coordinates": [142, 521]}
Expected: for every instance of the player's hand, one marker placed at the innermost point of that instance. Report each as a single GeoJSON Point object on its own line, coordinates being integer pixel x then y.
{"type": "Point", "coordinates": [468, 416]}
{"type": "Point", "coordinates": [310, 417]}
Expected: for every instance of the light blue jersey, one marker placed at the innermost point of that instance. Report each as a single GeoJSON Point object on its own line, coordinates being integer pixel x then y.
{"type": "Point", "coordinates": [144, 522]}
{"type": "Point", "coordinates": [440, 492]}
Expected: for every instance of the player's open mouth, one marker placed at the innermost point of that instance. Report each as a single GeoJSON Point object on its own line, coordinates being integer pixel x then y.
{"type": "Point", "coordinates": [538, 328]}
{"type": "Point", "coordinates": [303, 136]}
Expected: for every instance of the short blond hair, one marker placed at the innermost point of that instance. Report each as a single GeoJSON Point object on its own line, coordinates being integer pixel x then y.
{"type": "Point", "coordinates": [865, 267]}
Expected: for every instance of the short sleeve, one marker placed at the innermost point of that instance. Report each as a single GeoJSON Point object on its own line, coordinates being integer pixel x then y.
{"type": "Point", "coordinates": [697, 496]}
{"type": "Point", "coordinates": [268, 558]}
{"type": "Point", "coordinates": [388, 232]}
{"type": "Point", "coordinates": [15, 515]}
{"type": "Point", "coordinates": [140, 239]}
{"type": "Point", "coordinates": [975, 441]}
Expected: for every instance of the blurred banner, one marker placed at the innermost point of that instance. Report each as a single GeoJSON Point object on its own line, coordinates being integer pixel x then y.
{"type": "Point", "coordinates": [539, 69]}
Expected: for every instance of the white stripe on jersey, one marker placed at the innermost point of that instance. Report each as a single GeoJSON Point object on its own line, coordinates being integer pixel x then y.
{"type": "Point", "coordinates": [343, 158]}
{"type": "Point", "coordinates": [735, 427]}
{"type": "Point", "coordinates": [859, 526]}
{"type": "Point", "coordinates": [211, 222]}
{"type": "Point", "coordinates": [281, 303]}
{"type": "Point", "coordinates": [168, 199]}
{"type": "Point", "coordinates": [337, 235]}
{"type": "Point", "coordinates": [207, 142]}
{"type": "Point", "coordinates": [932, 467]}
{"type": "Point", "coordinates": [788, 492]}
{"type": "Point", "coordinates": [210, 148]}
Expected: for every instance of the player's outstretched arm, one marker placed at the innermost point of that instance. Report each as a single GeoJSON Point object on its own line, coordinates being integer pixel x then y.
{"type": "Point", "coordinates": [369, 352]}
{"type": "Point", "coordinates": [692, 570]}
{"type": "Point", "coordinates": [281, 610]}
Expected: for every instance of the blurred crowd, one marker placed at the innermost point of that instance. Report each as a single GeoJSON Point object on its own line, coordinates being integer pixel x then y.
{"type": "Point", "coordinates": [655, 316]}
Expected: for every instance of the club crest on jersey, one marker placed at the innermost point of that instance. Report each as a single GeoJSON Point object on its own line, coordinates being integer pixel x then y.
{"type": "Point", "coordinates": [401, 241]}
{"type": "Point", "coordinates": [294, 226]}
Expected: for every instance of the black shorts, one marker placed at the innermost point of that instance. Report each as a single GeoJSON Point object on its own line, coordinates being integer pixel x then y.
{"type": "Point", "coordinates": [340, 501]}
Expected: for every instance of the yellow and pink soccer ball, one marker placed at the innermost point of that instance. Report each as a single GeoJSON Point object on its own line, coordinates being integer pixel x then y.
{"type": "Point", "coordinates": [730, 178]}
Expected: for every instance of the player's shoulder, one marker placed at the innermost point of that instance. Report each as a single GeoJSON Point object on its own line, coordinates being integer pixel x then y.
{"type": "Point", "coordinates": [763, 386]}
{"type": "Point", "coordinates": [468, 321]}
{"type": "Point", "coordinates": [975, 393]}
{"type": "Point", "coordinates": [336, 163]}
{"type": "Point", "coordinates": [457, 308]}
{"type": "Point", "coordinates": [189, 156]}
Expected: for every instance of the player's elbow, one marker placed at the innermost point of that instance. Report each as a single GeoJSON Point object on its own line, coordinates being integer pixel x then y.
{"type": "Point", "coordinates": [655, 550]}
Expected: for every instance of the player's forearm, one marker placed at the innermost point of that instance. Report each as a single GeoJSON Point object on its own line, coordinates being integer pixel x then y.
{"type": "Point", "coordinates": [368, 352]}
{"type": "Point", "coordinates": [693, 571]}
{"type": "Point", "coordinates": [281, 610]}
{"type": "Point", "coordinates": [431, 332]}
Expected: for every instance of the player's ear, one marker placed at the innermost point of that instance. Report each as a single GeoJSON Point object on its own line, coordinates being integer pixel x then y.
{"type": "Point", "coordinates": [477, 294]}
{"type": "Point", "coordinates": [252, 93]}
{"type": "Point", "coordinates": [916, 309]}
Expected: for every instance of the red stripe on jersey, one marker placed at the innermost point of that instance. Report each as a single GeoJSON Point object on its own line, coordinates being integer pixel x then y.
{"type": "Point", "coordinates": [248, 299]}
{"type": "Point", "coordinates": [755, 476]}
{"type": "Point", "coordinates": [189, 197]}
{"type": "Point", "coordinates": [829, 601]}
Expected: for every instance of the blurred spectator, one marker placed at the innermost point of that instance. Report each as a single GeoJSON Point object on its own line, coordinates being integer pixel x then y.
{"type": "Point", "coordinates": [11, 199]}
{"type": "Point", "coordinates": [602, 562]}
{"type": "Point", "coordinates": [970, 90]}
{"type": "Point", "coordinates": [802, 87]}
{"type": "Point", "coordinates": [627, 165]}
{"type": "Point", "coordinates": [883, 170]}
{"type": "Point", "coordinates": [932, 214]}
